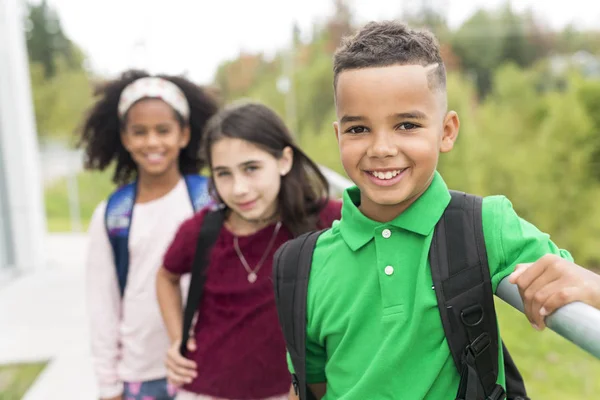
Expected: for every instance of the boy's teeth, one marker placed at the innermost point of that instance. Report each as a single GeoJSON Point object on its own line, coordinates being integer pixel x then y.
{"type": "Point", "coordinates": [385, 175]}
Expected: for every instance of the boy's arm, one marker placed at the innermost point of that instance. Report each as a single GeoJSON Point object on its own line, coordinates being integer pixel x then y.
{"type": "Point", "coordinates": [551, 276]}
{"type": "Point", "coordinates": [318, 389]}
{"type": "Point", "coordinates": [552, 282]}
{"type": "Point", "coordinates": [315, 369]}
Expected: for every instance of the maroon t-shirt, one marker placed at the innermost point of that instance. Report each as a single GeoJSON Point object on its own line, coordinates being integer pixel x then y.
{"type": "Point", "coordinates": [240, 348]}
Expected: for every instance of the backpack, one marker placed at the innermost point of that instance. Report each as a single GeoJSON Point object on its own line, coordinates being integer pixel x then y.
{"type": "Point", "coordinates": [462, 283]}
{"type": "Point", "coordinates": [119, 212]}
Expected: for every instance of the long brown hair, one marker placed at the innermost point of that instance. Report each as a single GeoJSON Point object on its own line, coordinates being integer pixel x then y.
{"type": "Point", "coordinates": [304, 190]}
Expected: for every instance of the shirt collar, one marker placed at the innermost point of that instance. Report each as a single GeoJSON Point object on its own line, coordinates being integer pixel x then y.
{"type": "Point", "coordinates": [420, 217]}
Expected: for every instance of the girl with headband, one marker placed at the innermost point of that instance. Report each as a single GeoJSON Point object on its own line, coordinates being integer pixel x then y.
{"type": "Point", "coordinates": [148, 128]}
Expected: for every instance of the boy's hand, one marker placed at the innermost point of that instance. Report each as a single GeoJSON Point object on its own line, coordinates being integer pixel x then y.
{"type": "Point", "coordinates": [180, 370]}
{"type": "Point", "coordinates": [552, 282]}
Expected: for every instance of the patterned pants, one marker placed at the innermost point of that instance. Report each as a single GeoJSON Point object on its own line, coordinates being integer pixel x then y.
{"type": "Point", "coordinates": [158, 389]}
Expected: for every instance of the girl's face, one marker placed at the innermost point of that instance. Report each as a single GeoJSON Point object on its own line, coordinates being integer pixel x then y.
{"type": "Point", "coordinates": [154, 137]}
{"type": "Point", "coordinates": [248, 178]}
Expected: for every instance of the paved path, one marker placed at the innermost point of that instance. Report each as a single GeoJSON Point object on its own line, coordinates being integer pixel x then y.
{"type": "Point", "coordinates": [43, 317]}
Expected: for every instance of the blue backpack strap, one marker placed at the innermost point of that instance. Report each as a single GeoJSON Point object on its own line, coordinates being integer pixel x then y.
{"type": "Point", "coordinates": [117, 219]}
{"type": "Point", "coordinates": [119, 213]}
{"type": "Point", "coordinates": [197, 187]}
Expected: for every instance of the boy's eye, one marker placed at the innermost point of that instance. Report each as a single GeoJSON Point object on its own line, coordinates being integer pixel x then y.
{"type": "Point", "coordinates": [356, 129]}
{"type": "Point", "coordinates": [407, 126]}
{"type": "Point", "coordinates": [163, 130]}
{"type": "Point", "coordinates": [251, 168]}
{"type": "Point", "coordinates": [222, 173]}
{"type": "Point", "coordinates": [138, 132]}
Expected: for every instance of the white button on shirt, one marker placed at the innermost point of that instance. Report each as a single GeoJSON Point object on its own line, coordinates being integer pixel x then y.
{"type": "Point", "coordinates": [386, 233]}
{"type": "Point", "coordinates": [389, 270]}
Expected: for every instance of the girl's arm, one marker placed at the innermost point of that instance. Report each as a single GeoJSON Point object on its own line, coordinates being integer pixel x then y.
{"type": "Point", "coordinates": [103, 306]}
{"type": "Point", "coordinates": [180, 370]}
{"type": "Point", "coordinates": [168, 291]}
{"type": "Point", "coordinates": [177, 261]}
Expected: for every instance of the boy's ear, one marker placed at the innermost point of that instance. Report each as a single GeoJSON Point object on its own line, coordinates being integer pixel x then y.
{"type": "Point", "coordinates": [336, 128]}
{"type": "Point", "coordinates": [451, 128]}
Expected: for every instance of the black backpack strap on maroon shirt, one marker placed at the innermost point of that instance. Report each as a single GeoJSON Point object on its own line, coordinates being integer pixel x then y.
{"type": "Point", "coordinates": [209, 232]}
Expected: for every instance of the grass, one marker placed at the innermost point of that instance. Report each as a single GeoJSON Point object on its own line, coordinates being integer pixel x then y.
{"type": "Point", "coordinates": [15, 379]}
{"type": "Point", "coordinates": [93, 188]}
{"type": "Point", "coordinates": [553, 368]}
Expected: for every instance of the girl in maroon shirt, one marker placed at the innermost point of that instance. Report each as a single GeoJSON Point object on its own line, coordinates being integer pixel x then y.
{"type": "Point", "coordinates": [272, 192]}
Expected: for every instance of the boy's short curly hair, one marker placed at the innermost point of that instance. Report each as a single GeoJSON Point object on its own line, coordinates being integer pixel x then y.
{"type": "Point", "coordinates": [381, 44]}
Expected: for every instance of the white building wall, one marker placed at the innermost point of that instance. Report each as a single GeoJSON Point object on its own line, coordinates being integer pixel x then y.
{"type": "Point", "coordinates": [22, 217]}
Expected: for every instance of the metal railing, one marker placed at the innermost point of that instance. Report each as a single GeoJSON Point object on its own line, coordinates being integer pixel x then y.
{"type": "Point", "coordinates": [577, 322]}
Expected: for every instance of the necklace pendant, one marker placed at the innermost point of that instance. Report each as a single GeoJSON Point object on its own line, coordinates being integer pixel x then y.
{"type": "Point", "coordinates": [252, 277]}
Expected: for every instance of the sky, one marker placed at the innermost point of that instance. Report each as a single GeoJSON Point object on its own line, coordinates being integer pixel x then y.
{"type": "Point", "coordinates": [195, 36]}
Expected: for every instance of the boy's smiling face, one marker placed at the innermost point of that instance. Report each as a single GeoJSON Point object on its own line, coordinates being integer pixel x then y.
{"type": "Point", "coordinates": [391, 128]}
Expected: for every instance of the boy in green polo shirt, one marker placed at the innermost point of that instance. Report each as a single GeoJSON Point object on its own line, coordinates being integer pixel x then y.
{"type": "Point", "coordinates": [373, 325]}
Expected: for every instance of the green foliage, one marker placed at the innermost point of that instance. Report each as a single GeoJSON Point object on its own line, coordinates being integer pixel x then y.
{"type": "Point", "coordinates": [491, 38]}
{"type": "Point", "coordinates": [46, 41]}
{"type": "Point", "coordinates": [537, 148]}
{"type": "Point", "coordinates": [61, 86]}
{"type": "Point", "coordinates": [60, 101]}
{"type": "Point", "coordinates": [93, 187]}
{"type": "Point", "coordinates": [552, 367]}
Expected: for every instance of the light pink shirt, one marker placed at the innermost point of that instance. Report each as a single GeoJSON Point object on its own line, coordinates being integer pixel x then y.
{"type": "Point", "coordinates": [129, 340]}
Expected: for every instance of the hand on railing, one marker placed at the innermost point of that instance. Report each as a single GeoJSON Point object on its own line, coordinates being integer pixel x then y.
{"type": "Point", "coordinates": [553, 282]}
{"type": "Point", "coordinates": [566, 312]}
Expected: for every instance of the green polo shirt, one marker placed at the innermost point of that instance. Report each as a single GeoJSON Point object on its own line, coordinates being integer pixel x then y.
{"type": "Point", "coordinates": [373, 326]}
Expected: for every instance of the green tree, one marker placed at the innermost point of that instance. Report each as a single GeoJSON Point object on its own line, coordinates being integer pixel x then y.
{"type": "Point", "coordinates": [60, 84]}
{"type": "Point", "coordinates": [589, 94]}
{"type": "Point", "coordinates": [492, 38]}
{"type": "Point", "coordinates": [534, 148]}
{"type": "Point", "coordinates": [60, 102]}
{"type": "Point", "coordinates": [46, 41]}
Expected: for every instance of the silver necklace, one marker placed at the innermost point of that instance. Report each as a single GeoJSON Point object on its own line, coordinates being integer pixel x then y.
{"type": "Point", "coordinates": [252, 272]}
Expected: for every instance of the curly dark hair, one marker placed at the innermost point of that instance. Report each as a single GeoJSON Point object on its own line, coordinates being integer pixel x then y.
{"type": "Point", "coordinates": [381, 44]}
{"type": "Point", "coordinates": [102, 127]}
{"type": "Point", "coordinates": [304, 190]}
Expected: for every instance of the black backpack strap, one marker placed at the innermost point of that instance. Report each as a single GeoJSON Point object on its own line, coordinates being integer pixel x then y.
{"type": "Point", "coordinates": [291, 270]}
{"type": "Point", "coordinates": [209, 231]}
{"type": "Point", "coordinates": [461, 277]}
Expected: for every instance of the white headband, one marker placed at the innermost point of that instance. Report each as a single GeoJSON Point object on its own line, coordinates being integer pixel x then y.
{"type": "Point", "coordinates": [157, 88]}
